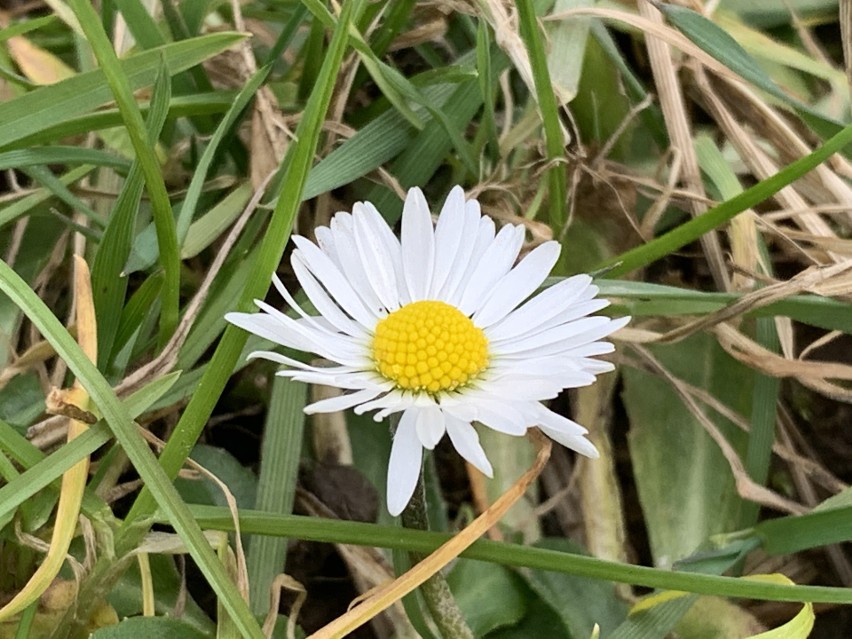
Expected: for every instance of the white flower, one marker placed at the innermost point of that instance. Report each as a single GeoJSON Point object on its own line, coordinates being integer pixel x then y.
{"type": "Point", "coordinates": [436, 327]}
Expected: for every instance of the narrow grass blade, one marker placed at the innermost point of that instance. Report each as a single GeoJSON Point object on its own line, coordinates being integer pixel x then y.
{"type": "Point", "coordinates": [109, 279]}
{"type": "Point", "coordinates": [23, 206]}
{"type": "Point", "coordinates": [61, 155]}
{"type": "Point", "coordinates": [161, 207]}
{"type": "Point", "coordinates": [297, 164]}
{"type": "Point", "coordinates": [348, 532]}
{"type": "Point", "coordinates": [46, 106]}
{"type": "Point", "coordinates": [279, 469]}
{"type": "Point", "coordinates": [554, 137]}
{"type": "Point", "coordinates": [690, 231]}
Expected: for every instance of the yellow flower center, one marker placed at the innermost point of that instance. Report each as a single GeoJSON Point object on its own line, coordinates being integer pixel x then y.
{"type": "Point", "coordinates": [429, 346]}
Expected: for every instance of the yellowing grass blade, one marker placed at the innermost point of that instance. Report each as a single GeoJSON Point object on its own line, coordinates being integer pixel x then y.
{"type": "Point", "coordinates": [37, 64]}
{"type": "Point", "coordinates": [799, 626]}
{"type": "Point", "coordinates": [658, 598]}
{"type": "Point", "coordinates": [74, 480]}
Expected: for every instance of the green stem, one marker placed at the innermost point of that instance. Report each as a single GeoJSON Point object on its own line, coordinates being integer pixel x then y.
{"type": "Point", "coordinates": [436, 592]}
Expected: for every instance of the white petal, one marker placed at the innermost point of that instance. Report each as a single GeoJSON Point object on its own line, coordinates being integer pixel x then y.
{"type": "Point", "coordinates": [556, 304]}
{"type": "Point", "coordinates": [577, 333]}
{"type": "Point", "coordinates": [514, 388]}
{"type": "Point", "coordinates": [321, 300]}
{"type": "Point", "coordinates": [351, 265]}
{"type": "Point", "coordinates": [499, 416]}
{"type": "Point", "coordinates": [418, 245]}
{"type": "Point", "coordinates": [341, 402]}
{"type": "Point", "coordinates": [391, 244]}
{"type": "Point", "coordinates": [494, 263]}
{"type": "Point", "coordinates": [346, 381]}
{"type": "Point", "coordinates": [333, 346]}
{"type": "Point", "coordinates": [518, 284]}
{"type": "Point", "coordinates": [546, 322]}
{"type": "Point", "coordinates": [476, 236]}
{"type": "Point", "coordinates": [296, 334]}
{"type": "Point", "coordinates": [430, 426]}
{"type": "Point", "coordinates": [449, 232]}
{"type": "Point", "coordinates": [278, 358]}
{"type": "Point", "coordinates": [344, 325]}
{"type": "Point", "coordinates": [325, 240]}
{"type": "Point", "coordinates": [334, 282]}
{"type": "Point", "coordinates": [393, 402]}
{"type": "Point", "coordinates": [565, 431]}
{"type": "Point", "coordinates": [596, 367]}
{"type": "Point", "coordinates": [377, 261]}
{"type": "Point", "coordinates": [466, 441]}
{"type": "Point", "coordinates": [404, 465]}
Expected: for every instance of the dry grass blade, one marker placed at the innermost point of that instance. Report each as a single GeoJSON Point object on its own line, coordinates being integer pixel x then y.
{"type": "Point", "coordinates": [677, 123]}
{"type": "Point", "coordinates": [74, 480]}
{"type": "Point", "coordinates": [406, 583]}
{"type": "Point", "coordinates": [846, 36]}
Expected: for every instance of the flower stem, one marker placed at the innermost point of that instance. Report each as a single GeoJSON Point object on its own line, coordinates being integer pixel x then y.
{"type": "Point", "coordinates": [436, 592]}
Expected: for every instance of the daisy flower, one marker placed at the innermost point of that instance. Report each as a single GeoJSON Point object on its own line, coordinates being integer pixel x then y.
{"type": "Point", "coordinates": [441, 326]}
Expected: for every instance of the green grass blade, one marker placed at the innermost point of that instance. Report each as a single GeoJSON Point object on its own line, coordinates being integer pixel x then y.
{"type": "Point", "coordinates": [61, 155]}
{"type": "Point", "coordinates": [180, 106]}
{"type": "Point", "coordinates": [143, 27]}
{"type": "Point", "coordinates": [554, 138]}
{"type": "Point", "coordinates": [643, 299]}
{"type": "Point", "coordinates": [193, 193]}
{"type": "Point", "coordinates": [486, 87]}
{"type": "Point", "coordinates": [61, 192]}
{"type": "Point", "coordinates": [718, 43]}
{"type": "Point", "coordinates": [786, 535]}
{"type": "Point", "coordinates": [348, 532]}
{"type": "Point", "coordinates": [297, 164]}
{"type": "Point", "coordinates": [46, 106]}
{"type": "Point", "coordinates": [18, 209]}
{"type": "Point", "coordinates": [690, 231]}
{"type": "Point", "coordinates": [26, 26]}
{"type": "Point", "coordinates": [765, 396]}
{"type": "Point", "coordinates": [161, 207]}
{"type": "Point", "coordinates": [109, 283]}
{"type": "Point", "coordinates": [279, 469]}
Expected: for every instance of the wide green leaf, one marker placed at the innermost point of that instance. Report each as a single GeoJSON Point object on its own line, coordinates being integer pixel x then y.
{"type": "Point", "coordinates": [685, 484]}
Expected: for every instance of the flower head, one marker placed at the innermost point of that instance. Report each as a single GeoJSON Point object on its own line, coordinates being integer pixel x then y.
{"type": "Point", "coordinates": [441, 326]}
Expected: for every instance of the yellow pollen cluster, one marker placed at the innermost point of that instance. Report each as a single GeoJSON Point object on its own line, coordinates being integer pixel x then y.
{"type": "Point", "coordinates": [431, 346]}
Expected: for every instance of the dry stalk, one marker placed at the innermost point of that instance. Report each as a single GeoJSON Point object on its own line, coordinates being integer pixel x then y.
{"type": "Point", "coordinates": [788, 143]}
{"type": "Point", "coordinates": [674, 112]}
{"type": "Point", "coordinates": [757, 159]}
{"type": "Point", "coordinates": [367, 566]}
